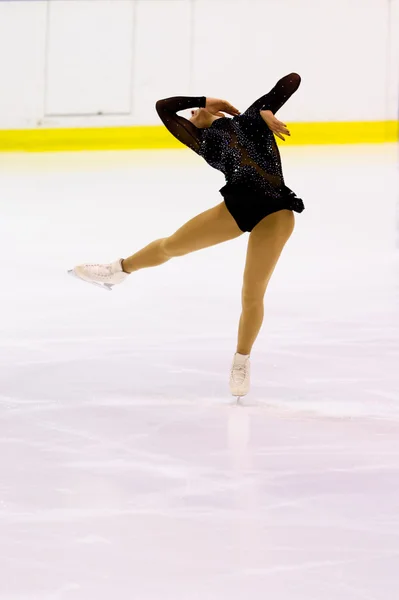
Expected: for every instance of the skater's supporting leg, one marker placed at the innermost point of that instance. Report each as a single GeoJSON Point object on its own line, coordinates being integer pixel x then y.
{"type": "Point", "coordinates": [211, 227]}
{"type": "Point", "coordinates": [265, 245]}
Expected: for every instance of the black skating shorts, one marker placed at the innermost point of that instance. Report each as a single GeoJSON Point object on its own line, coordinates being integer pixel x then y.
{"type": "Point", "coordinates": [249, 207]}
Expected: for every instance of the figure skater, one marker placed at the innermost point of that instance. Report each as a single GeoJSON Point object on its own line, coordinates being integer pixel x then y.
{"type": "Point", "coordinates": [256, 200]}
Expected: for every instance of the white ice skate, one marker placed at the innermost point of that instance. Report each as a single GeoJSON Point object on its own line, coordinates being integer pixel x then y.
{"type": "Point", "coordinates": [240, 375]}
{"type": "Point", "coordinates": [104, 276]}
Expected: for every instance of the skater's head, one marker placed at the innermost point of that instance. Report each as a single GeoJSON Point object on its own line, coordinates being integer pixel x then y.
{"type": "Point", "coordinates": [203, 118]}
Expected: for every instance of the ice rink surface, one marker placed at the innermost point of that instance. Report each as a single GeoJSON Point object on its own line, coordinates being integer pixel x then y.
{"type": "Point", "coordinates": [127, 472]}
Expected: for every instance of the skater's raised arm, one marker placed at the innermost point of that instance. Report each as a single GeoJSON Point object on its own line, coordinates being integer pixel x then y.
{"type": "Point", "coordinates": [185, 131]}
{"type": "Point", "coordinates": [279, 95]}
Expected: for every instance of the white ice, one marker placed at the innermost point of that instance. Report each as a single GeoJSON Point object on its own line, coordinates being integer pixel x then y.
{"type": "Point", "coordinates": [127, 472]}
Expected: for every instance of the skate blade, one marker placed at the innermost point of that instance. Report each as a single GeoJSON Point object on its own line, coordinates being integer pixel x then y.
{"type": "Point", "coordinates": [104, 286]}
{"type": "Point", "coordinates": [239, 397]}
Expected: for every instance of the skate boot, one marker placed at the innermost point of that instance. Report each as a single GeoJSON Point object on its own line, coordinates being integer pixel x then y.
{"type": "Point", "coordinates": [104, 276]}
{"type": "Point", "coordinates": [240, 375]}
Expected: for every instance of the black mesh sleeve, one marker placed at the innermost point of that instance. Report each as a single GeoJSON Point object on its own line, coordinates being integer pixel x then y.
{"type": "Point", "coordinates": [185, 131]}
{"type": "Point", "coordinates": [279, 95]}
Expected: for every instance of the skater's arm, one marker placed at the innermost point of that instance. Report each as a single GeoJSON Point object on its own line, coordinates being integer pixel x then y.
{"type": "Point", "coordinates": [279, 95]}
{"type": "Point", "coordinates": [185, 131]}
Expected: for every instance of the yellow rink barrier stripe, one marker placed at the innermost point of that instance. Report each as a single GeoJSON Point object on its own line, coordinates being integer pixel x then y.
{"type": "Point", "coordinates": [156, 137]}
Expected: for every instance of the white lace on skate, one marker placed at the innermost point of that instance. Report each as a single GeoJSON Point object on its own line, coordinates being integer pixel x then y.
{"type": "Point", "coordinates": [102, 272]}
{"type": "Point", "coordinates": [240, 378]}
{"type": "Point", "coordinates": [238, 374]}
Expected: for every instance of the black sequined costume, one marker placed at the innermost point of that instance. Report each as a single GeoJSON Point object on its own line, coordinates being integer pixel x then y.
{"type": "Point", "coordinates": [244, 149]}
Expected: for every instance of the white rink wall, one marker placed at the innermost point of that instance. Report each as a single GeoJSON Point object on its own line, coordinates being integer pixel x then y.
{"type": "Point", "coordinates": [102, 62]}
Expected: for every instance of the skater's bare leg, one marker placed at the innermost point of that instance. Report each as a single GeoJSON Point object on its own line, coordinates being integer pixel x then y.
{"type": "Point", "coordinates": [265, 245]}
{"type": "Point", "coordinates": [211, 227]}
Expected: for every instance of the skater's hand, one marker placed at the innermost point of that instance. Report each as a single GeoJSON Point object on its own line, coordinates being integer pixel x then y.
{"type": "Point", "coordinates": [276, 126]}
{"type": "Point", "coordinates": [217, 107]}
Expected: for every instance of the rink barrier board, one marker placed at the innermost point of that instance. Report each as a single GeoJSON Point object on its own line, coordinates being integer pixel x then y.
{"type": "Point", "coordinates": [155, 137]}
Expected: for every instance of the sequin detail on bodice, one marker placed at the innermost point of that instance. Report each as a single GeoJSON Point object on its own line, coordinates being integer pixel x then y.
{"type": "Point", "coordinates": [245, 150]}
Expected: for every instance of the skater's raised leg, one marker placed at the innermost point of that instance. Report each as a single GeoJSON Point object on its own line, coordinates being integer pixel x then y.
{"type": "Point", "coordinates": [265, 245]}
{"type": "Point", "coordinates": [209, 228]}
